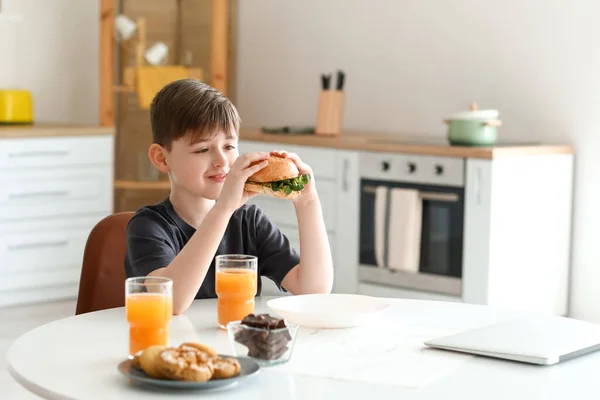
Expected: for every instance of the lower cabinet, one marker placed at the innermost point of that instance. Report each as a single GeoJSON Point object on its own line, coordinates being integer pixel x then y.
{"type": "Point", "coordinates": [53, 190]}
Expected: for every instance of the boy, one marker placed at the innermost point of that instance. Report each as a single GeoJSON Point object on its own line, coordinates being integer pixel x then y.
{"type": "Point", "coordinates": [195, 135]}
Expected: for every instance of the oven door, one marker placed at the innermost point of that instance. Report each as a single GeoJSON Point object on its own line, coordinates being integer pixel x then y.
{"type": "Point", "coordinates": [438, 249]}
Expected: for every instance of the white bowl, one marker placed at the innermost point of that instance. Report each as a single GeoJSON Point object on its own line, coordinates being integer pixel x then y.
{"type": "Point", "coordinates": [328, 310]}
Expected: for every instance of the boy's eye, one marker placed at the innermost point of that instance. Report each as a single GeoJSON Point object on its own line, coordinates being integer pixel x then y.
{"type": "Point", "coordinates": [229, 147]}
{"type": "Point", "coordinates": [202, 150]}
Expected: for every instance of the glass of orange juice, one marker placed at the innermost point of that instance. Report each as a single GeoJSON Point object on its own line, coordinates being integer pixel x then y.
{"type": "Point", "coordinates": [235, 283]}
{"type": "Point", "coordinates": [149, 309]}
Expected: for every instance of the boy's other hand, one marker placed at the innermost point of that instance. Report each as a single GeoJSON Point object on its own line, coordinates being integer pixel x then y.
{"type": "Point", "coordinates": [233, 195]}
{"type": "Point", "coordinates": [309, 193]}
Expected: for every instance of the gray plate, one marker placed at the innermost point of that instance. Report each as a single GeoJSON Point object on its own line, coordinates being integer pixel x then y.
{"type": "Point", "coordinates": [248, 368]}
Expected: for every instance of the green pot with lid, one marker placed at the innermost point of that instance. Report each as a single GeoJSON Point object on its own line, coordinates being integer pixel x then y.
{"type": "Point", "coordinates": [474, 127]}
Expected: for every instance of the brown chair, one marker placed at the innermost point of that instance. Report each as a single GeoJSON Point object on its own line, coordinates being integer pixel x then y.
{"type": "Point", "coordinates": [102, 283]}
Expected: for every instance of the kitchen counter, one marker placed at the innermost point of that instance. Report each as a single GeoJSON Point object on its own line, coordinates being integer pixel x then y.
{"type": "Point", "coordinates": [405, 144]}
{"type": "Point", "coordinates": [53, 130]}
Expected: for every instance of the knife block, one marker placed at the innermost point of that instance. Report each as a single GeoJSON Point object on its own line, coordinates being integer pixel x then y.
{"type": "Point", "coordinates": [330, 113]}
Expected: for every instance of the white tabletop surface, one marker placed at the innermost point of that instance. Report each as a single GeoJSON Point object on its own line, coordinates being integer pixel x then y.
{"type": "Point", "coordinates": [76, 358]}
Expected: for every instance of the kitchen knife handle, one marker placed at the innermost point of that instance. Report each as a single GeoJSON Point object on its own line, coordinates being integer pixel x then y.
{"type": "Point", "coordinates": [325, 81]}
{"type": "Point", "coordinates": [340, 80]}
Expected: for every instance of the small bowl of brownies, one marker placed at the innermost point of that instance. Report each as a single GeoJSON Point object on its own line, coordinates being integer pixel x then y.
{"type": "Point", "coordinates": [264, 338]}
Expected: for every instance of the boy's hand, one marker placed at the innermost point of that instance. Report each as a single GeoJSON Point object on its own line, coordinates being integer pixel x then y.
{"type": "Point", "coordinates": [309, 193]}
{"type": "Point", "coordinates": [233, 195]}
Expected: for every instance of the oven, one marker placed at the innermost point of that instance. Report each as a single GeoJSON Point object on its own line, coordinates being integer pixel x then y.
{"type": "Point", "coordinates": [411, 222]}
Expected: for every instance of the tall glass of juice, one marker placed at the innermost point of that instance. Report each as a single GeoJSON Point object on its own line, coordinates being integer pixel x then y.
{"type": "Point", "coordinates": [236, 285]}
{"type": "Point", "coordinates": [149, 309]}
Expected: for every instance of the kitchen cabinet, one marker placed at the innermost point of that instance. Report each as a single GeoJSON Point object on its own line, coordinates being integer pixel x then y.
{"type": "Point", "coordinates": [55, 185]}
{"type": "Point", "coordinates": [347, 222]}
{"type": "Point", "coordinates": [515, 229]}
{"type": "Point", "coordinates": [518, 232]}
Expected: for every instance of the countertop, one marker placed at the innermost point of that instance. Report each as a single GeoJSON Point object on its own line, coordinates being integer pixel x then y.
{"type": "Point", "coordinates": [406, 144]}
{"type": "Point", "coordinates": [52, 130]}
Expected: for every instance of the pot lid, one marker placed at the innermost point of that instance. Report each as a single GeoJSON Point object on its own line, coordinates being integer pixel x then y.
{"type": "Point", "coordinates": [477, 114]}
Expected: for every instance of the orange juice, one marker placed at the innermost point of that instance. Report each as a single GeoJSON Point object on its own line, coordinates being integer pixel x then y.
{"type": "Point", "coordinates": [149, 315]}
{"type": "Point", "coordinates": [236, 289]}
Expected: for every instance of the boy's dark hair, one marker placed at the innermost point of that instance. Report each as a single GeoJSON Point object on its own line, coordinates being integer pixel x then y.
{"type": "Point", "coordinates": [190, 107]}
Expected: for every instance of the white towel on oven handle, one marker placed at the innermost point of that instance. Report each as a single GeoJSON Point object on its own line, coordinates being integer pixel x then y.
{"type": "Point", "coordinates": [381, 194]}
{"type": "Point", "coordinates": [404, 236]}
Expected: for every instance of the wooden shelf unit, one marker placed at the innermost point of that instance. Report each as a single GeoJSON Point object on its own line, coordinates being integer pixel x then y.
{"type": "Point", "coordinates": [201, 30]}
{"type": "Point", "coordinates": [142, 185]}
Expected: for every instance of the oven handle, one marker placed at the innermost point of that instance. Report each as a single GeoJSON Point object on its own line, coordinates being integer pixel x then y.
{"type": "Point", "coordinates": [445, 197]}
{"type": "Point", "coordinates": [435, 196]}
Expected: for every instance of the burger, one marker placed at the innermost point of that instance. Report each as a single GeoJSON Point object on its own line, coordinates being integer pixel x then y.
{"type": "Point", "coordinates": [280, 178]}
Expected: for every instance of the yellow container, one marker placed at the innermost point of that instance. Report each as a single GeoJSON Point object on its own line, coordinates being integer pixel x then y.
{"type": "Point", "coordinates": [16, 107]}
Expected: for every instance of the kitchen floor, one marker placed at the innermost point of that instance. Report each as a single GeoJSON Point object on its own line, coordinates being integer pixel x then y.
{"type": "Point", "coordinates": [15, 321]}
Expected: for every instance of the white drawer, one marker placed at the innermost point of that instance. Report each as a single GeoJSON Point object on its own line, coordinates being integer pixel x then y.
{"type": "Point", "coordinates": [52, 223]}
{"type": "Point", "coordinates": [38, 295]}
{"type": "Point", "coordinates": [55, 151]}
{"type": "Point", "coordinates": [269, 288]}
{"type": "Point", "coordinates": [292, 234]}
{"type": "Point", "coordinates": [294, 237]}
{"type": "Point", "coordinates": [55, 192]}
{"type": "Point", "coordinates": [282, 211]}
{"type": "Point", "coordinates": [279, 211]}
{"type": "Point", "coordinates": [43, 251]}
{"type": "Point", "coordinates": [35, 279]}
{"type": "Point", "coordinates": [321, 160]}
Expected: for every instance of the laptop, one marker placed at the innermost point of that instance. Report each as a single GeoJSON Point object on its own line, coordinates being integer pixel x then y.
{"type": "Point", "coordinates": [543, 340]}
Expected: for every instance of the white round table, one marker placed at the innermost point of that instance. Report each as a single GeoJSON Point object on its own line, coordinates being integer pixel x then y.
{"type": "Point", "coordinates": [76, 358]}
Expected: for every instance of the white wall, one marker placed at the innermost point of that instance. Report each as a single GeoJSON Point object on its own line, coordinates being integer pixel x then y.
{"type": "Point", "coordinates": [411, 63]}
{"type": "Point", "coordinates": [59, 56]}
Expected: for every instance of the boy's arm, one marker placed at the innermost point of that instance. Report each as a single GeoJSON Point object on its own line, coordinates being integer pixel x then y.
{"type": "Point", "coordinates": [188, 269]}
{"type": "Point", "coordinates": [314, 274]}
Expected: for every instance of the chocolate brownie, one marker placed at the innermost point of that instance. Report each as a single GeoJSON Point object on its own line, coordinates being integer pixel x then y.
{"type": "Point", "coordinates": [266, 343]}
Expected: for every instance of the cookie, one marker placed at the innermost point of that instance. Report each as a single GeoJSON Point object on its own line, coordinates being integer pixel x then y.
{"type": "Point", "coordinates": [185, 363]}
{"type": "Point", "coordinates": [225, 368]}
{"type": "Point", "coordinates": [202, 347]}
{"type": "Point", "coordinates": [135, 362]}
{"type": "Point", "coordinates": [147, 360]}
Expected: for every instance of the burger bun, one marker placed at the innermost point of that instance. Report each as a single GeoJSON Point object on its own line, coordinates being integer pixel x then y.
{"type": "Point", "coordinates": [256, 188]}
{"type": "Point", "coordinates": [277, 169]}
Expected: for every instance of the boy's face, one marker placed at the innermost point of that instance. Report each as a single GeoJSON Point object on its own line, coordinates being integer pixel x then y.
{"type": "Point", "coordinates": [201, 168]}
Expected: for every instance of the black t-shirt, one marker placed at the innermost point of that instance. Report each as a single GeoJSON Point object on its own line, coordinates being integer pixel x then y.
{"type": "Point", "coordinates": [156, 234]}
